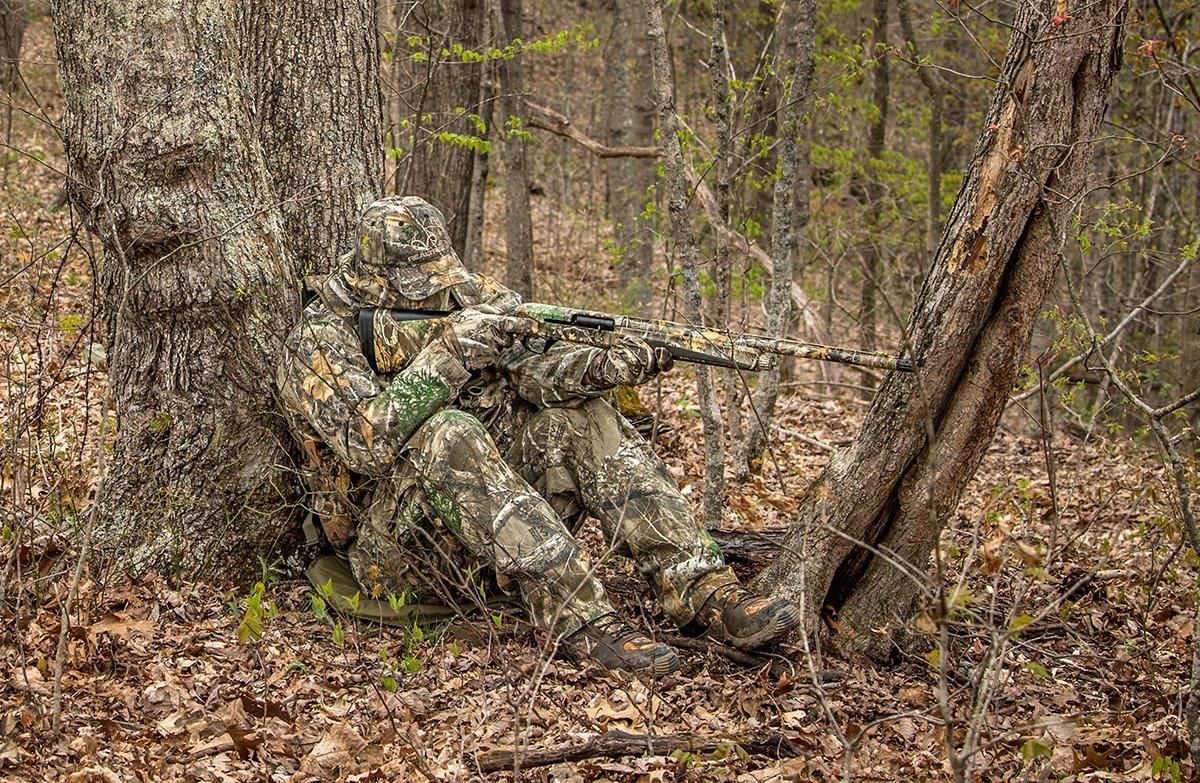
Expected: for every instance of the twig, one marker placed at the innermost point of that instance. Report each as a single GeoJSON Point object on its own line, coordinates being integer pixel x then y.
{"type": "Point", "coordinates": [616, 744]}
{"type": "Point", "coordinates": [1098, 343]}
{"type": "Point", "coordinates": [820, 444]}
{"type": "Point", "coordinates": [749, 660]}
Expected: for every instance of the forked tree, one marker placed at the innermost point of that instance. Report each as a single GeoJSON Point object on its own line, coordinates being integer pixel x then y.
{"type": "Point", "coordinates": [220, 150]}
{"type": "Point", "coordinates": [868, 525]}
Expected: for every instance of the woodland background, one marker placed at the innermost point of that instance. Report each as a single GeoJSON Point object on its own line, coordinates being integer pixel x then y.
{"type": "Point", "coordinates": [1051, 635]}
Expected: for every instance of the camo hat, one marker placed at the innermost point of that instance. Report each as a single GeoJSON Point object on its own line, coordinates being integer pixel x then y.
{"type": "Point", "coordinates": [403, 245]}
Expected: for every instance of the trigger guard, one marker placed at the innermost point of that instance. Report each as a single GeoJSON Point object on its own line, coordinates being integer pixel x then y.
{"type": "Point", "coordinates": [535, 344]}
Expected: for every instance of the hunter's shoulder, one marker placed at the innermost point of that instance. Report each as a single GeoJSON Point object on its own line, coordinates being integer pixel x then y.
{"type": "Point", "coordinates": [483, 289]}
{"type": "Point", "coordinates": [319, 324]}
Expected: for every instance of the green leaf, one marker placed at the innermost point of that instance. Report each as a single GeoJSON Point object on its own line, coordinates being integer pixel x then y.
{"type": "Point", "coordinates": [1035, 748]}
{"type": "Point", "coordinates": [249, 630]}
{"type": "Point", "coordinates": [389, 683]}
{"type": "Point", "coordinates": [1020, 622]}
{"type": "Point", "coordinates": [339, 636]}
{"type": "Point", "coordinates": [318, 607]}
{"type": "Point", "coordinates": [1037, 669]}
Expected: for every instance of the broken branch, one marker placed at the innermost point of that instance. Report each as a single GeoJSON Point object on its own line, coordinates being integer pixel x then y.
{"type": "Point", "coordinates": [615, 744]}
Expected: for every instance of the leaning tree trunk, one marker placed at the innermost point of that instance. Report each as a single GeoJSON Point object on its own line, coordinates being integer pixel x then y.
{"type": "Point", "coordinates": [202, 253]}
{"type": "Point", "coordinates": [439, 165]}
{"type": "Point", "coordinates": [896, 485]}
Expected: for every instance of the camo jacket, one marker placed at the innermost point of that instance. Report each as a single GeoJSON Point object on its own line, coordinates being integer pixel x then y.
{"type": "Point", "coordinates": [352, 424]}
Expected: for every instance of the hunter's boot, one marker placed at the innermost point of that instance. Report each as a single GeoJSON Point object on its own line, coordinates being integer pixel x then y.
{"type": "Point", "coordinates": [745, 619]}
{"type": "Point", "coordinates": [615, 644]}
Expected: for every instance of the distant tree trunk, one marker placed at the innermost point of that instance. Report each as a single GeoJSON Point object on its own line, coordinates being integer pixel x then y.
{"type": "Point", "coordinates": [684, 237]}
{"type": "Point", "coordinates": [874, 188]}
{"type": "Point", "coordinates": [203, 250]}
{"type": "Point", "coordinates": [714, 462]}
{"type": "Point", "coordinates": [12, 31]}
{"type": "Point", "coordinates": [796, 65]}
{"type": "Point", "coordinates": [897, 484]}
{"type": "Point", "coordinates": [436, 169]}
{"type": "Point", "coordinates": [935, 85]}
{"type": "Point", "coordinates": [480, 167]}
{"type": "Point", "coordinates": [628, 178]}
{"type": "Point", "coordinates": [518, 218]}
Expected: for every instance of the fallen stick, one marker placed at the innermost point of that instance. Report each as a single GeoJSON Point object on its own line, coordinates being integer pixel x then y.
{"type": "Point", "coordinates": [741, 658]}
{"type": "Point", "coordinates": [616, 744]}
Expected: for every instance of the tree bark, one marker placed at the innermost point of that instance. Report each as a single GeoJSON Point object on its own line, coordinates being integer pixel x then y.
{"type": "Point", "coordinates": [900, 480]}
{"type": "Point", "coordinates": [202, 254]}
{"type": "Point", "coordinates": [434, 168]}
{"type": "Point", "coordinates": [628, 179]}
{"type": "Point", "coordinates": [321, 143]}
{"type": "Point", "coordinates": [518, 218]}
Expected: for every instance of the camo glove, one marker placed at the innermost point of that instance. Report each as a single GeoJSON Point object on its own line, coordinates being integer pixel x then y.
{"type": "Point", "coordinates": [476, 339]}
{"type": "Point", "coordinates": [630, 362]}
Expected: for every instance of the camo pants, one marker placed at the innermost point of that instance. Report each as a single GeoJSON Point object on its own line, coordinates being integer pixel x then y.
{"type": "Point", "coordinates": [508, 513]}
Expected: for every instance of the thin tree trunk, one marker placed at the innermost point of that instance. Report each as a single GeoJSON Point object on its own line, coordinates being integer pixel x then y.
{"type": "Point", "coordinates": [872, 265]}
{"type": "Point", "coordinates": [718, 65]}
{"type": "Point", "coordinates": [899, 481]}
{"type": "Point", "coordinates": [797, 67]}
{"type": "Point", "coordinates": [480, 166]}
{"type": "Point", "coordinates": [627, 178]}
{"type": "Point", "coordinates": [518, 218]}
{"type": "Point", "coordinates": [936, 87]}
{"type": "Point", "coordinates": [683, 236]}
{"type": "Point", "coordinates": [202, 254]}
{"type": "Point", "coordinates": [437, 168]}
{"type": "Point", "coordinates": [12, 31]}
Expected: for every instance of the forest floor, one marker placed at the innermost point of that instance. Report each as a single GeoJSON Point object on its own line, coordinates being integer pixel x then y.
{"type": "Point", "coordinates": [1071, 611]}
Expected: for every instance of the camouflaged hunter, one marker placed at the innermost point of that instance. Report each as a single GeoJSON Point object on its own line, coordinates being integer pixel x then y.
{"type": "Point", "coordinates": [487, 453]}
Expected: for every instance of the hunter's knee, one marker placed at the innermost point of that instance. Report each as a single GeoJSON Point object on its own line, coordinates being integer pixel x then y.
{"type": "Point", "coordinates": [456, 437]}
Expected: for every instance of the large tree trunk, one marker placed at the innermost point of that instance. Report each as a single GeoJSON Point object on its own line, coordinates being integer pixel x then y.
{"type": "Point", "coordinates": [896, 485]}
{"type": "Point", "coordinates": [201, 264]}
{"type": "Point", "coordinates": [438, 169]}
{"type": "Point", "coordinates": [313, 67]}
